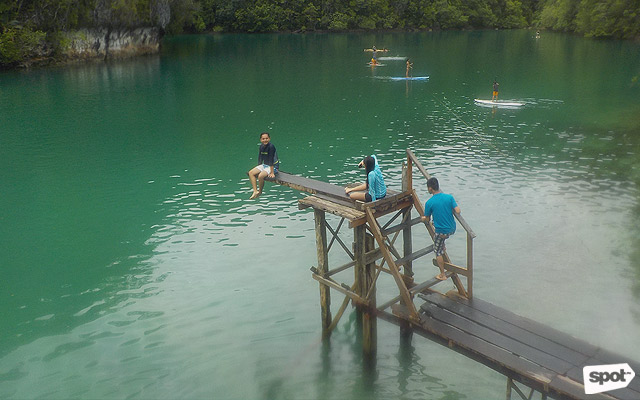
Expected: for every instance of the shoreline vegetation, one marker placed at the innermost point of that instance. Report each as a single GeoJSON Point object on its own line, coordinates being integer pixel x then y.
{"type": "Point", "coordinates": [42, 32]}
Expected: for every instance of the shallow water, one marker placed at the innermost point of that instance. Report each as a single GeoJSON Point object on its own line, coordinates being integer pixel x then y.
{"type": "Point", "coordinates": [134, 265]}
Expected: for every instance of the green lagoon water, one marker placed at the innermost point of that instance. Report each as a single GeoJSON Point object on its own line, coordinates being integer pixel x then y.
{"type": "Point", "coordinates": [133, 265]}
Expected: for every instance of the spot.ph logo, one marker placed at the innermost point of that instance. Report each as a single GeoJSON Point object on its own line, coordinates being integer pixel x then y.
{"type": "Point", "coordinates": [602, 378]}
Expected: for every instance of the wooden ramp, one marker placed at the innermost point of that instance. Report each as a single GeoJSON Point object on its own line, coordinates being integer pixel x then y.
{"type": "Point", "coordinates": [526, 351]}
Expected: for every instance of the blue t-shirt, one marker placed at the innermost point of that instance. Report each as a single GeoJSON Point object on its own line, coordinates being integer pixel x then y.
{"type": "Point", "coordinates": [441, 206]}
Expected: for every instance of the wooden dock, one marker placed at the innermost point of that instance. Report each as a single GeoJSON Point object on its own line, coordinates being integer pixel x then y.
{"type": "Point", "coordinates": [528, 353]}
{"type": "Point", "coordinates": [538, 356]}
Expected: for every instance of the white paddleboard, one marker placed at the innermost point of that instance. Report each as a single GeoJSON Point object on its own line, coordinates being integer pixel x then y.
{"type": "Point", "coordinates": [499, 103]}
{"type": "Point", "coordinates": [411, 78]}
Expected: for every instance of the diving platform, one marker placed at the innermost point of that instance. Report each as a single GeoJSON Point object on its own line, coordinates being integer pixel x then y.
{"type": "Point", "coordinates": [535, 358]}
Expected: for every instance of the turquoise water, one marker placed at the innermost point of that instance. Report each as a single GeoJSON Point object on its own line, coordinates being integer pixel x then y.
{"type": "Point", "coordinates": [134, 265]}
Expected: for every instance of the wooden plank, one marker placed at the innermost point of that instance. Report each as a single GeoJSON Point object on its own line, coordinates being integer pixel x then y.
{"type": "Point", "coordinates": [575, 390]}
{"type": "Point", "coordinates": [346, 202]}
{"type": "Point", "coordinates": [455, 268]}
{"type": "Point", "coordinates": [500, 360]}
{"type": "Point", "coordinates": [414, 255]}
{"type": "Point", "coordinates": [349, 213]}
{"type": "Point", "coordinates": [630, 392]}
{"type": "Point", "coordinates": [381, 212]}
{"type": "Point", "coordinates": [537, 328]}
{"type": "Point", "coordinates": [508, 328]}
{"type": "Point", "coordinates": [604, 357]}
{"type": "Point", "coordinates": [494, 357]}
{"type": "Point", "coordinates": [389, 201]}
{"type": "Point", "coordinates": [532, 354]}
{"type": "Point", "coordinates": [427, 284]}
{"type": "Point", "coordinates": [478, 350]}
{"type": "Point", "coordinates": [309, 185]}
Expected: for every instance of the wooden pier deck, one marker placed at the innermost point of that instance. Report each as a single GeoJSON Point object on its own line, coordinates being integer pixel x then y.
{"type": "Point", "coordinates": [536, 355]}
{"type": "Point", "coordinates": [543, 359]}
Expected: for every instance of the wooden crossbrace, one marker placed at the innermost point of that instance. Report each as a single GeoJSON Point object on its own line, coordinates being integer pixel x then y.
{"type": "Point", "coordinates": [404, 292]}
{"type": "Point", "coordinates": [336, 237]}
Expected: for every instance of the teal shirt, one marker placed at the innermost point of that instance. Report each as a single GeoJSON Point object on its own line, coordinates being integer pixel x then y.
{"type": "Point", "coordinates": [441, 206]}
{"type": "Point", "coordinates": [377, 188]}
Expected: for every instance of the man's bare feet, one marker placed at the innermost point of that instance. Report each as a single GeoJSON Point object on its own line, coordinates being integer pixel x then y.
{"type": "Point", "coordinates": [254, 195]}
{"type": "Point", "coordinates": [441, 277]}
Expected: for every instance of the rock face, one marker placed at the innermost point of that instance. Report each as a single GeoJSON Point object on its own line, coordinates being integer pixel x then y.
{"type": "Point", "coordinates": [108, 44]}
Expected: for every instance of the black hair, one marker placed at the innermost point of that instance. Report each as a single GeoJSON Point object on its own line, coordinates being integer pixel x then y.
{"type": "Point", "coordinates": [433, 184]}
{"type": "Point", "coordinates": [265, 133]}
{"type": "Point", "coordinates": [369, 165]}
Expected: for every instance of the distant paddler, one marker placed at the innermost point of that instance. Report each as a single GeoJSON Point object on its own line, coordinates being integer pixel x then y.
{"type": "Point", "coordinates": [495, 90]}
{"type": "Point", "coordinates": [375, 49]}
{"type": "Point", "coordinates": [409, 67]}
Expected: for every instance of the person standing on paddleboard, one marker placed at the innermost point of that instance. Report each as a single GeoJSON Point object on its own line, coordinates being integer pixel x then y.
{"type": "Point", "coordinates": [409, 67]}
{"type": "Point", "coordinates": [495, 91]}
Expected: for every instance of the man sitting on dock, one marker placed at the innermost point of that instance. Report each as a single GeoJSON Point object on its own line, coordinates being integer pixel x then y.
{"type": "Point", "coordinates": [441, 206]}
{"type": "Point", "coordinates": [267, 164]}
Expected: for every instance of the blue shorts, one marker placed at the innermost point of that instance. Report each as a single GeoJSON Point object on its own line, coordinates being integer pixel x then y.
{"type": "Point", "coordinates": [438, 243]}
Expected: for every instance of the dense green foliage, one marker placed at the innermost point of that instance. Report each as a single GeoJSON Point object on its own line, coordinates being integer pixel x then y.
{"type": "Point", "coordinates": [28, 27]}
{"type": "Point", "coordinates": [594, 18]}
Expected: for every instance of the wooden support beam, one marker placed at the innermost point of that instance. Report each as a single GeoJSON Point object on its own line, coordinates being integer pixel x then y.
{"type": "Point", "coordinates": [336, 237]}
{"type": "Point", "coordinates": [407, 237]}
{"type": "Point", "coordinates": [340, 312]}
{"type": "Point", "coordinates": [413, 256]}
{"type": "Point", "coordinates": [327, 283]}
{"type": "Point", "coordinates": [404, 292]}
{"type": "Point", "coordinates": [323, 268]}
{"type": "Point", "coordinates": [470, 265]}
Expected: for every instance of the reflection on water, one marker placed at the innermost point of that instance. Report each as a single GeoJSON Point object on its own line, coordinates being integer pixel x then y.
{"type": "Point", "coordinates": [134, 264]}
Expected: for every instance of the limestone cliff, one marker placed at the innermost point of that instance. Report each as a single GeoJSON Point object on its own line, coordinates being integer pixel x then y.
{"type": "Point", "coordinates": [108, 44]}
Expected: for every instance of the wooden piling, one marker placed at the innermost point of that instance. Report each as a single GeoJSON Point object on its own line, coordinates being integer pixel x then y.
{"type": "Point", "coordinates": [369, 320]}
{"type": "Point", "coordinates": [323, 268]}
{"type": "Point", "coordinates": [407, 183]}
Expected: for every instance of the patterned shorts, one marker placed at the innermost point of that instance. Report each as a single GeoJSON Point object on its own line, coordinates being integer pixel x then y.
{"type": "Point", "coordinates": [438, 243]}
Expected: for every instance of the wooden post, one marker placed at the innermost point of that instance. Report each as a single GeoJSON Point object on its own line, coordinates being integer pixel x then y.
{"type": "Point", "coordinates": [469, 265]}
{"type": "Point", "coordinates": [358, 253]}
{"type": "Point", "coordinates": [406, 216]}
{"type": "Point", "coordinates": [369, 320]}
{"type": "Point", "coordinates": [364, 276]}
{"type": "Point", "coordinates": [323, 268]}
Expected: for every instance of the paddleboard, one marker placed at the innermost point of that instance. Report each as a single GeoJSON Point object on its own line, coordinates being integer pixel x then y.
{"type": "Point", "coordinates": [375, 65]}
{"type": "Point", "coordinates": [411, 78]}
{"type": "Point", "coordinates": [392, 58]}
{"type": "Point", "coordinates": [499, 103]}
